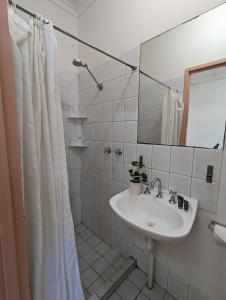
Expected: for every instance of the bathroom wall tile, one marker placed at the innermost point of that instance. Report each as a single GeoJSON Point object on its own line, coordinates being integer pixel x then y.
{"type": "Point", "coordinates": [146, 152]}
{"type": "Point", "coordinates": [161, 274]}
{"type": "Point", "coordinates": [98, 132]}
{"type": "Point", "coordinates": [108, 156]}
{"type": "Point", "coordinates": [132, 82]}
{"type": "Point", "coordinates": [107, 112]}
{"type": "Point", "coordinates": [181, 160]}
{"type": "Point", "coordinates": [117, 171]}
{"type": "Point", "coordinates": [117, 187]}
{"type": "Point", "coordinates": [129, 153]}
{"type": "Point", "coordinates": [161, 157]}
{"type": "Point", "coordinates": [126, 176]}
{"type": "Point", "coordinates": [131, 109]}
{"type": "Point", "coordinates": [108, 91]}
{"type": "Point", "coordinates": [72, 81]}
{"type": "Point", "coordinates": [73, 98]}
{"type": "Point", "coordinates": [195, 294]}
{"type": "Point", "coordinates": [107, 70]}
{"type": "Point", "coordinates": [119, 68]}
{"type": "Point", "coordinates": [130, 132]}
{"type": "Point", "coordinates": [107, 127]}
{"type": "Point", "coordinates": [119, 87]}
{"type": "Point", "coordinates": [107, 236]}
{"type": "Point", "coordinates": [205, 193]}
{"type": "Point", "coordinates": [96, 113]}
{"type": "Point", "coordinates": [142, 259]}
{"type": "Point", "coordinates": [118, 110]}
{"type": "Point", "coordinates": [164, 176]}
{"type": "Point", "coordinates": [64, 96]}
{"type": "Point", "coordinates": [177, 286]}
{"type": "Point", "coordinates": [204, 157]}
{"type": "Point", "coordinates": [180, 184]}
{"type": "Point", "coordinates": [65, 113]}
{"type": "Point", "coordinates": [118, 132]}
{"type": "Point", "coordinates": [99, 149]}
{"type": "Point", "coordinates": [108, 168]}
{"type": "Point", "coordinates": [128, 249]}
{"type": "Point", "coordinates": [116, 243]}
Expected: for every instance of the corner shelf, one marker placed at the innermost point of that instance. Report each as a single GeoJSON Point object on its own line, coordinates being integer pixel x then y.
{"type": "Point", "coordinates": [72, 116]}
{"type": "Point", "coordinates": [75, 144]}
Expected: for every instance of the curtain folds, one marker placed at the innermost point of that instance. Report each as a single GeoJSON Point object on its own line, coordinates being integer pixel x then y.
{"type": "Point", "coordinates": [53, 260]}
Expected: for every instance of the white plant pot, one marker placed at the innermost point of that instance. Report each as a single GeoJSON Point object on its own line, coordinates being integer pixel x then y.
{"type": "Point", "coordinates": [135, 188]}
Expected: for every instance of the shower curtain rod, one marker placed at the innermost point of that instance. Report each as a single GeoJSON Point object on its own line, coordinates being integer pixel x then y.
{"type": "Point", "coordinates": [156, 80]}
{"type": "Point", "coordinates": [74, 37]}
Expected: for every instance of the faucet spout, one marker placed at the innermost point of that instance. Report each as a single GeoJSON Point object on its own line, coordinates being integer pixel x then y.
{"type": "Point", "coordinates": [158, 180]}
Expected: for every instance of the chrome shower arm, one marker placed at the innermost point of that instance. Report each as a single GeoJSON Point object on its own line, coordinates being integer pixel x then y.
{"type": "Point", "coordinates": [99, 85]}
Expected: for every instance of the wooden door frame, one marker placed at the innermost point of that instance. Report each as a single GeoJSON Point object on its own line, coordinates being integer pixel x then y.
{"type": "Point", "coordinates": [187, 80]}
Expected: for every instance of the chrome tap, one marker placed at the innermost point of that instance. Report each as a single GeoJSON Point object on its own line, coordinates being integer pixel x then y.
{"type": "Point", "coordinates": [152, 184]}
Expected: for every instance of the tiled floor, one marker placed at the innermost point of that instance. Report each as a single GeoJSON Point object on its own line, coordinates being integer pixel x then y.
{"type": "Point", "coordinates": [98, 262]}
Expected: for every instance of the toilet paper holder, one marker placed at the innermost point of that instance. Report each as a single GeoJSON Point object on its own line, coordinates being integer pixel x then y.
{"type": "Point", "coordinates": [213, 223]}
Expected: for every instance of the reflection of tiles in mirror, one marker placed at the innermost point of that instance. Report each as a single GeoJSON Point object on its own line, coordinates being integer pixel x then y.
{"type": "Point", "coordinates": [151, 97]}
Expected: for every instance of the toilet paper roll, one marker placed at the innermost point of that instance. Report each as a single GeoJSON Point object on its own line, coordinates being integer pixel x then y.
{"type": "Point", "coordinates": [220, 234]}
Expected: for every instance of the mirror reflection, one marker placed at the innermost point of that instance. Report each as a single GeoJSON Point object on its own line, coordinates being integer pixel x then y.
{"type": "Point", "coordinates": [182, 94]}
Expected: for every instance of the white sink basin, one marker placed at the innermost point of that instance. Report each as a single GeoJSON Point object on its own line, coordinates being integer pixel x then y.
{"type": "Point", "coordinates": [154, 217]}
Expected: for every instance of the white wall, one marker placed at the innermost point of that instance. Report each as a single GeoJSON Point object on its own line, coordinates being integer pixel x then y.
{"type": "Point", "coordinates": [119, 25]}
{"type": "Point", "coordinates": [207, 110]}
{"type": "Point", "coordinates": [67, 48]}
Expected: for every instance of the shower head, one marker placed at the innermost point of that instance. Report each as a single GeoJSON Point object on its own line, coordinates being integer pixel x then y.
{"type": "Point", "coordinates": [78, 63]}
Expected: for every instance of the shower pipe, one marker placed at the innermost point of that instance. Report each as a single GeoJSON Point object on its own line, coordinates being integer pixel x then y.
{"type": "Point", "coordinates": [88, 45]}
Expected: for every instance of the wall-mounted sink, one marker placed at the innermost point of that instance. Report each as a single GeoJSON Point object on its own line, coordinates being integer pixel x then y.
{"type": "Point", "coordinates": [155, 217]}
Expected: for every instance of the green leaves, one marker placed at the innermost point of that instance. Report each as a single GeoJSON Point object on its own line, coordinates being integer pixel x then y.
{"type": "Point", "coordinates": [137, 174]}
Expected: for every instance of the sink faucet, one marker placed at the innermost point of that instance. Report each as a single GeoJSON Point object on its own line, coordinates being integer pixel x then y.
{"type": "Point", "coordinates": [151, 185]}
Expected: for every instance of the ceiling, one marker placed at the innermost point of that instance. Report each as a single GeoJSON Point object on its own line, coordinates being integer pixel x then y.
{"type": "Point", "coordinates": [75, 7]}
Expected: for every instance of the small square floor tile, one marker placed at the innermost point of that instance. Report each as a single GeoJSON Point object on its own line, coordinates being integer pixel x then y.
{"type": "Point", "coordinates": [86, 234]}
{"type": "Point", "coordinates": [80, 228]}
{"type": "Point", "coordinates": [142, 297]}
{"type": "Point", "coordinates": [138, 278]}
{"type": "Point", "coordinates": [111, 256]}
{"type": "Point", "coordinates": [91, 257]}
{"type": "Point", "coordinates": [88, 277]}
{"type": "Point", "coordinates": [169, 297]}
{"type": "Point", "coordinates": [127, 290]}
{"type": "Point", "coordinates": [156, 293]}
{"type": "Point", "coordinates": [93, 241]}
{"type": "Point", "coordinates": [108, 274]}
{"type": "Point", "coordinates": [83, 249]}
{"type": "Point", "coordinates": [95, 286]}
{"type": "Point", "coordinates": [101, 266]}
{"type": "Point", "coordinates": [82, 265]}
{"type": "Point", "coordinates": [114, 297]}
{"type": "Point", "coordinates": [120, 262]}
{"type": "Point", "coordinates": [102, 248]}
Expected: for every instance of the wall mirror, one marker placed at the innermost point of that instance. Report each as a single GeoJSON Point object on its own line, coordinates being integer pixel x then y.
{"type": "Point", "coordinates": [182, 91]}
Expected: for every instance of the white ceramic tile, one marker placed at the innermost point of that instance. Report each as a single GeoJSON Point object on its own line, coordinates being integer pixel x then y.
{"type": "Point", "coordinates": [96, 112]}
{"type": "Point", "coordinates": [107, 70]}
{"type": "Point", "coordinates": [119, 87]}
{"type": "Point", "coordinates": [146, 152]}
{"type": "Point", "coordinates": [131, 109]}
{"type": "Point", "coordinates": [117, 171]}
{"type": "Point", "coordinates": [99, 149]}
{"type": "Point", "coordinates": [177, 286]}
{"type": "Point", "coordinates": [98, 132]}
{"type": "Point", "coordinates": [107, 112]}
{"type": "Point", "coordinates": [164, 176]}
{"type": "Point", "coordinates": [127, 290]}
{"type": "Point", "coordinates": [156, 293]}
{"type": "Point", "coordinates": [115, 156]}
{"type": "Point", "coordinates": [108, 168]}
{"type": "Point", "coordinates": [118, 132]}
{"type": "Point", "coordinates": [108, 91]}
{"type": "Point", "coordinates": [73, 98]}
{"type": "Point", "coordinates": [64, 96]}
{"type": "Point", "coordinates": [142, 259]}
{"type": "Point", "coordinates": [195, 294]}
{"type": "Point", "coordinates": [161, 274]}
{"type": "Point", "coordinates": [181, 160]}
{"type": "Point", "coordinates": [126, 176]}
{"type": "Point", "coordinates": [117, 187]}
{"type": "Point", "coordinates": [132, 82]}
{"type": "Point", "coordinates": [130, 132]}
{"type": "Point", "coordinates": [204, 157]}
{"type": "Point", "coordinates": [107, 127]}
{"type": "Point", "coordinates": [116, 243]}
{"type": "Point", "coordinates": [118, 110]}
{"type": "Point", "coordinates": [161, 158]}
{"type": "Point", "coordinates": [128, 249]}
{"type": "Point", "coordinates": [119, 68]}
{"type": "Point", "coordinates": [138, 278]}
{"type": "Point", "coordinates": [129, 153]}
{"type": "Point", "coordinates": [133, 58]}
{"type": "Point", "coordinates": [180, 184]}
{"type": "Point", "coordinates": [205, 193]}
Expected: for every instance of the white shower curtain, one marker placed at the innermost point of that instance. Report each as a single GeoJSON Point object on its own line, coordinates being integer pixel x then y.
{"type": "Point", "coordinates": [171, 118]}
{"type": "Point", "coordinates": [54, 272]}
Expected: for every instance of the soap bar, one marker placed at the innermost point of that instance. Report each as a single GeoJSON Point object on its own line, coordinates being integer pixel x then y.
{"type": "Point", "coordinates": [186, 205]}
{"type": "Point", "coordinates": [180, 201]}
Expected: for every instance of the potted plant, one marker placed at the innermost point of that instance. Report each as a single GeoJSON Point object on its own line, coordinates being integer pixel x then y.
{"type": "Point", "coordinates": [138, 176]}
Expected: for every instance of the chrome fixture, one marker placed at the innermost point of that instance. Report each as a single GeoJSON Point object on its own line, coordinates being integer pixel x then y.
{"type": "Point", "coordinates": [78, 63]}
{"type": "Point", "coordinates": [152, 184]}
{"type": "Point", "coordinates": [173, 197]}
{"type": "Point", "coordinates": [147, 189]}
{"type": "Point", "coordinates": [118, 151]}
{"type": "Point", "coordinates": [214, 223]}
{"type": "Point", "coordinates": [107, 150]}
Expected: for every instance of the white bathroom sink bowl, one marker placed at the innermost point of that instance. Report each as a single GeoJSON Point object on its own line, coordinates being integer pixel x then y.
{"type": "Point", "coordinates": [154, 217]}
